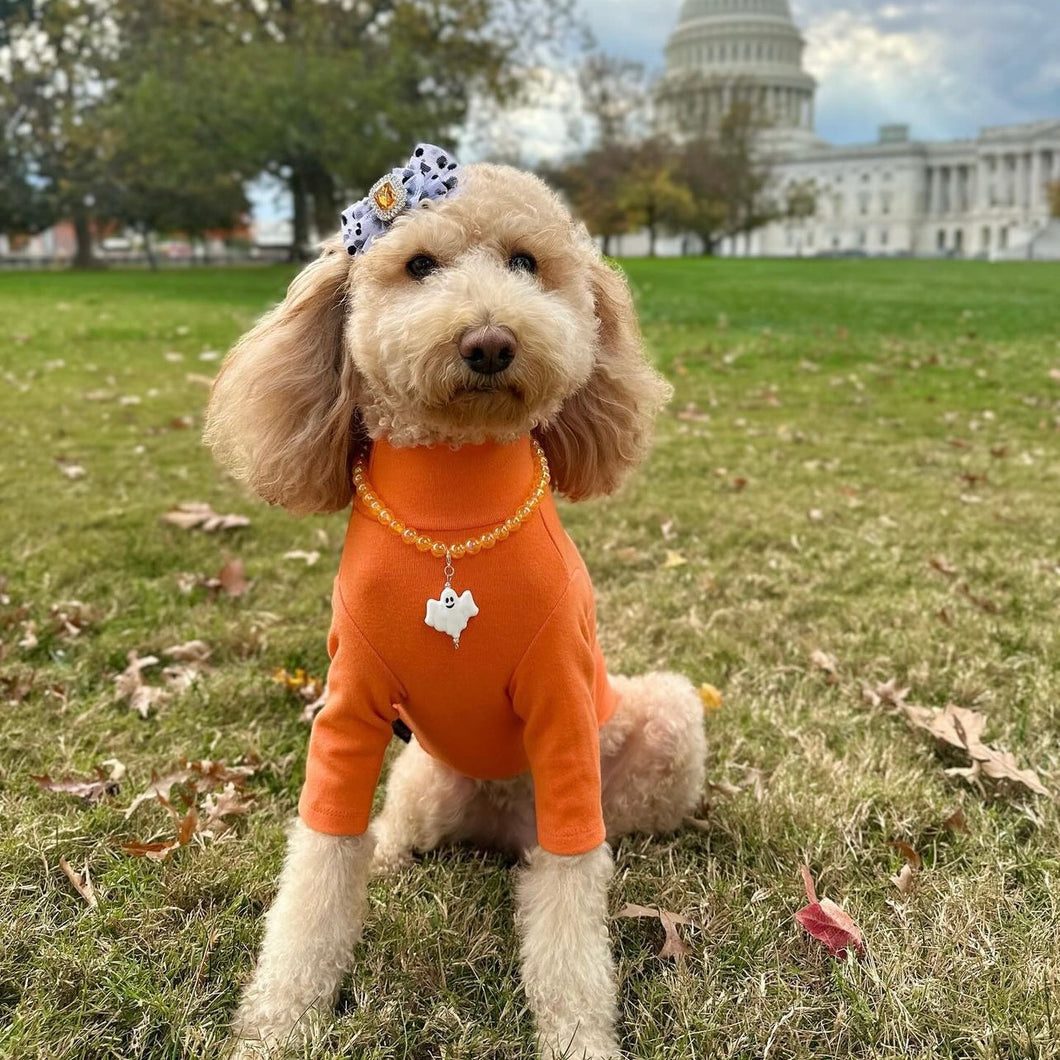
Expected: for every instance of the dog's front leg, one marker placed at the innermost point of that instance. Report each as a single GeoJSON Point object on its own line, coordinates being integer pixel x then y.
{"type": "Point", "coordinates": [568, 974]}
{"type": "Point", "coordinates": [310, 933]}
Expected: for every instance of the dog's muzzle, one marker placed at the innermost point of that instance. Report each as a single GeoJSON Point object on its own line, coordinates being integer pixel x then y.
{"type": "Point", "coordinates": [488, 350]}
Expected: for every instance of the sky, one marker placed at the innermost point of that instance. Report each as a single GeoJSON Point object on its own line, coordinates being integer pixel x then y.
{"type": "Point", "coordinates": [944, 67]}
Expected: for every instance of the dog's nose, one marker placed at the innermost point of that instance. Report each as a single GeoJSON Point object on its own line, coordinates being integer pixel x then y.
{"type": "Point", "coordinates": [488, 350]}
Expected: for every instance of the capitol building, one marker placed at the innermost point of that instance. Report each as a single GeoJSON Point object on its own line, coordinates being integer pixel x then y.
{"type": "Point", "coordinates": [896, 196]}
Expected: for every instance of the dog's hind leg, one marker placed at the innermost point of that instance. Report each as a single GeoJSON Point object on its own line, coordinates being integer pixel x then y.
{"type": "Point", "coordinates": [568, 973]}
{"type": "Point", "coordinates": [425, 803]}
{"type": "Point", "coordinates": [310, 934]}
{"type": "Point", "coordinates": [653, 754]}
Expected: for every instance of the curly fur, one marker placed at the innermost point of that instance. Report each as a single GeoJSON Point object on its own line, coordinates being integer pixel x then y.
{"type": "Point", "coordinates": [358, 351]}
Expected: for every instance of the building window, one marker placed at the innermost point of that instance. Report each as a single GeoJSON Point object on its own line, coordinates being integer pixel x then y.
{"type": "Point", "coordinates": [886, 198]}
{"type": "Point", "coordinates": [1002, 238]}
{"type": "Point", "coordinates": [809, 238]}
{"type": "Point", "coordinates": [885, 237]}
{"type": "Point", "coordinates": [863, 203]}
{"type": "Point", "coordinates": [958, 240]}
{"type": "Point", "coordinates": [887, 175]}
{"type": "Point", "coordinates": [865, 178]}
{"type": "Point", "coordinates": [940, 239]}
{"type": "Point", "coordinates": [985, 238]}
{"type": "Point", "coordinates": [862, 238]}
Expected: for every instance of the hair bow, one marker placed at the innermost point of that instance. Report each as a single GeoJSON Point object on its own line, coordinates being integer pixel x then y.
{"type": "Point", "coordinates": [431, 174]}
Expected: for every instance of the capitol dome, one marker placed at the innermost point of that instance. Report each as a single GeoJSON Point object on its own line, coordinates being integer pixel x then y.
{"type": "Point", "coordinates": [727, 51]}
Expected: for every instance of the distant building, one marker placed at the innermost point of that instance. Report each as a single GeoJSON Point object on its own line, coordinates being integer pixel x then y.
{"type": "Point", "coordinates": [898, 196]}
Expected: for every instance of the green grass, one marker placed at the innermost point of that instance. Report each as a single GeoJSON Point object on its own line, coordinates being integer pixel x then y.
{"type": "Point", "coordinates": [836, 425]}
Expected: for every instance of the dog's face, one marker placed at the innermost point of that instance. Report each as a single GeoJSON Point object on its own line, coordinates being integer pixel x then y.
{"type": "Point", "coordinates": [472, 318]}
{"type": "Point", "coordinates": [486, 315]}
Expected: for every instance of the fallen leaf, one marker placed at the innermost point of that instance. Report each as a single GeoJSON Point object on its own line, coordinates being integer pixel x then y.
{"type": "Point", "coordinates": [70, 618]}
{"type": "Point", "coordinates": [130, 685]}
{"type": "Point", "coordinates": [710, 697]}
{"type": "Point", "coordinates": [905, 880]}
{"type": "Point", "coordinates": [309, 688]}
{"type": "Point", "coordinates": [943, 566]}
{"type": "Point", "coordinates": [193, 651]}
{"type": "Point", "coordinates": [886, 693]}
{"type": "Point", "coordinates": [310, 558]}
{"type": "Point", "coordinates": [822, 660]}
{"type": "Point", "coordinates": [82, 882]}
{"type": "Point", "coordinates": [673, 560]}
{"type": "Point", "coordinates": [956, 822]}
{"type": "Point", "coordinates": [91, 789]}
{"type": "Point", "coordinates": [193, 515]}
{"type": "Point", "coordinates": [71, 471]}
{"type": "Point", "coordinates": [962, 728]}
{"type": "Point", "coordinates": [673, 945]}
{"type": "Point", "coordinates": [907, 852]}
{"type": "Point", "coordinates": [232, 578]}
{"type": "Point", "coordinates": [827, 923]}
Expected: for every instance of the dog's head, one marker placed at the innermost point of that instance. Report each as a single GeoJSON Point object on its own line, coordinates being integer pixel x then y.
{"type": "Point", "coordinates": [486, 315]}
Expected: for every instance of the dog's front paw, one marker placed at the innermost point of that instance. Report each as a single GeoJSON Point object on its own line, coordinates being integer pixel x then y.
{"type": "Point", "coordinates": [389, 857]}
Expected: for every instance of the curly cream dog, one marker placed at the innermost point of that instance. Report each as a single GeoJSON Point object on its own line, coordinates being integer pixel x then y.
{"type": "Point", "coordinates": [473, 324]}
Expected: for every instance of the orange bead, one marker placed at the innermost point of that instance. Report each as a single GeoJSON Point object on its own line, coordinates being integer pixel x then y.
{"type": "Point", "coordinates": [410, 536]}
{"type": "Point", "coordinates": [456, 551]}
{"type": "Point", "coordinates": [487, 540]}
{"type": "Point", "coordinates": [473, 547]}
{"type": "Point", "coordinates": [524, 513]}
{"type": "Point", "coordinates": [423, 543]}
{"type": "Point", "coordinates": [397, 526]}
{"type": "Point", "coordinates": [438, 550]}
{"type": "Point", "coordinates": [513, 524]}
{"type": "Point", "coordinates": [500, 533]}
{"type": "Point", "coordinates": [384, 516]}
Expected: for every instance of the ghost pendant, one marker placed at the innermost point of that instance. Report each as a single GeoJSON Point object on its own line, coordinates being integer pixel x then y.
{"type": "Point", "coordinates": [450, 613]}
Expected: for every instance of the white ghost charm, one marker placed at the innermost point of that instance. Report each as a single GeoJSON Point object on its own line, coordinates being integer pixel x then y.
{"type": "Point", "coordinates": [451, 613]}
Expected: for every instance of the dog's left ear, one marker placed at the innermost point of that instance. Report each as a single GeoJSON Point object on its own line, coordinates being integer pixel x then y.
{"type": "Point", "coordinates": [605, 428]}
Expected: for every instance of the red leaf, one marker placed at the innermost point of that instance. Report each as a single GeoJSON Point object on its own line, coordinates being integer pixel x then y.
{"type": "Point", "coordinates": [827, 923]}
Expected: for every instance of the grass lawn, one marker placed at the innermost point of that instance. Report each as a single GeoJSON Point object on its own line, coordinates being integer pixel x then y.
{"type": "Point", "coordinates": [862, 460]}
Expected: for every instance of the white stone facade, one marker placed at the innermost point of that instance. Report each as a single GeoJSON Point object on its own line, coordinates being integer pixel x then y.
{"type": "Point", "coordinates": [972, 198]}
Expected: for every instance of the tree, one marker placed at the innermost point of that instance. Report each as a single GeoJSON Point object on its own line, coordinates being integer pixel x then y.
{"type": "Point", "coordinates": [1053, 190]}
{"type": "Point", "coordinates": [653, 196]}
{"type": "Point", "coordinates": [25, 205]}
{"type": "Point", "coordinates": [728, 175]}
{"type": "Point", "coordinates": [56, 68]}
{"type": "Point", "coordinates": [329, 95]}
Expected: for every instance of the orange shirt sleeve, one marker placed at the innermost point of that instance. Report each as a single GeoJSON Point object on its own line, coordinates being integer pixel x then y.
{"type": "Point", "coordinates": [350, 734]}
{"type": "Point", "coordinates": [553, 693]}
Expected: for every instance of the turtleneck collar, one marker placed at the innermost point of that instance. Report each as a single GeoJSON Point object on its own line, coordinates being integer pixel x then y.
{"type": "Point", "coordinates": [440, 488]}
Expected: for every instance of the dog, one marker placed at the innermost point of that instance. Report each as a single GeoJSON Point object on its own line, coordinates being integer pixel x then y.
{"type": "Point", "coordinates": [456, 355]}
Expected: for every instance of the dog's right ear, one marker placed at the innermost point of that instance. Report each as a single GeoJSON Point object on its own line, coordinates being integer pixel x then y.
{"type": "Point", "coordinates": [282, 414]}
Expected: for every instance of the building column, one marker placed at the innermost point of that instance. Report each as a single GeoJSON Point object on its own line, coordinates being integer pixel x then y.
{"type": "Point", "coordinates": [1036, 193]}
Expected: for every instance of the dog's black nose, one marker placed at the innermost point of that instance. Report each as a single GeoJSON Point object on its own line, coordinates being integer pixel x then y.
{"type": "Point", "coordinates": [488, 350]}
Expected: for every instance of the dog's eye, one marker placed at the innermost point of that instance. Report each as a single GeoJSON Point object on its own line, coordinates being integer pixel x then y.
{"type": "Point", "coordinates": [421, 266]}
{"type": "Point", "coordinates": [522, 263]}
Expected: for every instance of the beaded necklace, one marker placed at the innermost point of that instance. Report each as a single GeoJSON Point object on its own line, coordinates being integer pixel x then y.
{"type": "Point", "coordinates": [451, 613]}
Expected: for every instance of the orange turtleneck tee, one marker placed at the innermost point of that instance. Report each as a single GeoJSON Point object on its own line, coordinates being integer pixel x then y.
{"type": "Point", "coordinates": [526, 690]}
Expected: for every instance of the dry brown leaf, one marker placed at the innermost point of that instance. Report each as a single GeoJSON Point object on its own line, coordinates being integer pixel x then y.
{"type": "Point", "coordinates": [92, 790]}
{"type": "Point", "coordinates": [943, 566]}
{"type": "Point", "coordinates": [822, 660]}
{"type": "Point", "coordinates": [309, 558]}
{"type": "Point", "coordinates": [907, 852]}
{"type": "Point", "coordinates": [962, 728]}
{"type": "Point", "coordinates": [192, 651]}
{"type": "Point", "coordinates": [904, 880]}
{"type": "Point", "coordinates": [956, 822]}
{"type": "Point", "coordinates": [673, 560]}
{"type": "Point", "coordinates": [70, 618]}
{"type": "Point", "coordinates": [82, 882]}
{"type": "Point", "coordinates": [193, 515]}
{"type": "Point", "coordinates": [673, 945]}
{"type": "Point", "coordinates": [130, 685]}
{"type": "Point", "coordinates": [232, 578]}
